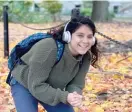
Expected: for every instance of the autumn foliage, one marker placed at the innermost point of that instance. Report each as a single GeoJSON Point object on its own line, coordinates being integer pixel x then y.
{"type": "Point", "coordinates": [108, 88]}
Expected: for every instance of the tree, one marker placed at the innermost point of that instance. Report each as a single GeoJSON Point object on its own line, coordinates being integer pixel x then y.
{"type": "Point", "coordinates": [87, 4]}
{"type": "Point", "coordinates": [1, 9]}
{"type": "Point", "coordinates": [52, 7]}
{"type": "Point", "coordinates": [17, 9]}
{"type": "Point", "coordinates": [87, 8]}
{"type": "Point", "coordinates": [100, 11]}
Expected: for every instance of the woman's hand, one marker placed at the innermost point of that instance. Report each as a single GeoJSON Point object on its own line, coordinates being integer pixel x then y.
{"type": "Point", "coordinates": [74, 99]}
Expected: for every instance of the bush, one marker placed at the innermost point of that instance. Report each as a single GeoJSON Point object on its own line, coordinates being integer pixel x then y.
{"type": "Point", "coordinates": [31, 17]}
{"type": "Point", "coordinates": [86, 11]}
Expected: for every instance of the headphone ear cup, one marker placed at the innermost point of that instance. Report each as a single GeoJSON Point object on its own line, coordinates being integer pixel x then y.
{"type": "Point", "coordinates": [67, 36]}
{"type": "Point", "coordinates": [93, 41]}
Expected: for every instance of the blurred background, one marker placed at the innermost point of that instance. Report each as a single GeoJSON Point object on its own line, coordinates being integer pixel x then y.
{"type": "Point", "coordinates": [39, 11]}
{"type": "Point", "coordinates": [108, 87]}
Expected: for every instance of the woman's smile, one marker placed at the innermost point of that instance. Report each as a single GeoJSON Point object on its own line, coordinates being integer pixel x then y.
{"type": "Point", "coordinates": [83, 46]}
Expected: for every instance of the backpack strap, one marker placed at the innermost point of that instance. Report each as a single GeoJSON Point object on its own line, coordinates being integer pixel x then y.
{"type": "Point", "coordinates": [60, 50]}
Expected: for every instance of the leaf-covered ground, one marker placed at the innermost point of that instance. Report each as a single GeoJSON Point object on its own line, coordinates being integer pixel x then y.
{"type": "Point", "coordinates": [107, 89]}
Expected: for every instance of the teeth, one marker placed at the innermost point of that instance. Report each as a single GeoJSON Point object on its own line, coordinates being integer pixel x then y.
{"type": "Point", "coordinates": [83, 46]}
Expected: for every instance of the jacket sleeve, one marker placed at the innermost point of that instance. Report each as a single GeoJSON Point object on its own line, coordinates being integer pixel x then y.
{"type": "Point", "coordinates": [78, 82]}
{"type": "Point", "coordinates": [40, 65]}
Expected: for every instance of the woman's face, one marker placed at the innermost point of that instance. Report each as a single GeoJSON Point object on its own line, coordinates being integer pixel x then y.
{"type": "Point", "coordinates": [81, 40]}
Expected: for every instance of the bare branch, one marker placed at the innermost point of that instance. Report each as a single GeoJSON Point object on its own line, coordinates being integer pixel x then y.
{"type": "Point", "coordinates": [123, 59]}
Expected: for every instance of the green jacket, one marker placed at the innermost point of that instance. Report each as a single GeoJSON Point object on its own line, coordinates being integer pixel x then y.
{"type": "Point", "coordinates": [51, 84]}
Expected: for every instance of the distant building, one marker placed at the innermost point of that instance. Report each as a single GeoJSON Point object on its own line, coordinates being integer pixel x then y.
{"type": "Point", "coordinates": [121, 8]}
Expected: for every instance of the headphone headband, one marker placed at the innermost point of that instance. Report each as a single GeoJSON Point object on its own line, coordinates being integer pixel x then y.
{"type": "Point", "coordinates": [66, 26]}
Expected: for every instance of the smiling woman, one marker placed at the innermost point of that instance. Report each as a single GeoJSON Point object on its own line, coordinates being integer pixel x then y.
{"type": "Point", "coordinates": [57, 87]}
{"type": "Point", "coordinates": [79, 34]}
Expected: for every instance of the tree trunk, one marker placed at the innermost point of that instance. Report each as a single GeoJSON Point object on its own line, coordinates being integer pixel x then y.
{"type": "Point", "coordinates": [100, 11]}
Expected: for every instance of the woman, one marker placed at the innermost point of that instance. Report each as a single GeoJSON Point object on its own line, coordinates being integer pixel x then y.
{"type": "Point", "coordinates": [57, 88]}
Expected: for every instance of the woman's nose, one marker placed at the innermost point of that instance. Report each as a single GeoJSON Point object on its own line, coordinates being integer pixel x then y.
{"type": "Point", "coordinates": [85, 40]}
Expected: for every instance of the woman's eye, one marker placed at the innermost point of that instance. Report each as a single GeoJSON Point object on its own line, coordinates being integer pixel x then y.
{"type": "Point", "coordinates": [90, 37]}
{"type": "Point", "coordinates": [80, 36]}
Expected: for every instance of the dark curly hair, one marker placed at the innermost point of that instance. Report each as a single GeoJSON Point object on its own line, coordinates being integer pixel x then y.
{"type": "Point", "coordinates": [72, 26]}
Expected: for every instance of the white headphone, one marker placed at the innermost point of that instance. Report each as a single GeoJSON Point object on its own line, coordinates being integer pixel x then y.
{"type": "Point", "coordinates": [93, 40]}
{"type": "Point", "coordinates": [67, 35]}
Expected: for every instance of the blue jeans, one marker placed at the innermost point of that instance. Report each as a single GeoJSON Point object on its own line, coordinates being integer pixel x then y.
{"type": "Point", "coordinates": [25, 102]}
